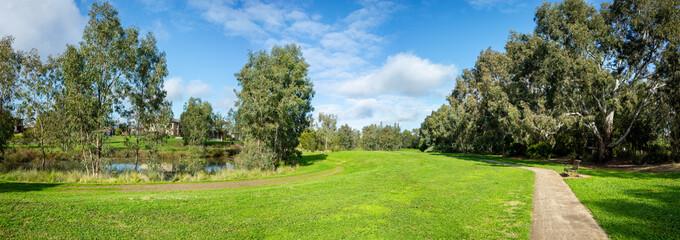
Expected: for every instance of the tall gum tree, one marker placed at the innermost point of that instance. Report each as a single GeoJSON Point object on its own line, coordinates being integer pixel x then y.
{"type": "Point", "coordinates": [10, 67]}
{"type": "Point", "coordinates": [599, 60]}
{"type": "Point", "coordinates": [274, 105]}
{"type": "Point", "coordinates": [94, 78]}
{"type": "Point", "coordinates": [146, 94]}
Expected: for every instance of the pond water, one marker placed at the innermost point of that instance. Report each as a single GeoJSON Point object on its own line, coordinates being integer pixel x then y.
{"type": "Point", "coordinates": [209, 167]}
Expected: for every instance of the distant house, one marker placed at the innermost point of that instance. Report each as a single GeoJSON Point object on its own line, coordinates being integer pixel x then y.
{"type": "Point", "coordinates": [19, 126]}
{"type": "Point", "coordinates": [175, 128]}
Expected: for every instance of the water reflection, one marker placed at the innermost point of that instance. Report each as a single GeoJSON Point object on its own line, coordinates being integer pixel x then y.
{"type": "Point", "coordinates": [209, 167]}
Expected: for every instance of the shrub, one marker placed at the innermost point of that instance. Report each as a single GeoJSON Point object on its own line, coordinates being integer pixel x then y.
{"type": "Point", "coordinates": [540, 150]}
{"type": "Point", "coordinates": [422, 146]}
{"type": "Point", "coordinates": [517, 149]}
{"type": "Point", "coordinates": [118, 132]}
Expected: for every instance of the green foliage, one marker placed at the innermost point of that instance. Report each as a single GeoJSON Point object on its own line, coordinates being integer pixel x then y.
{"type": "Point", "coordinates": [517, 149]}
{"type": "Point", "coordinates": [422, 145]}
{"type": "Point", "coordinates": [274, 105]}
{"type": "Point", "coordinates": [540, 150]}
{"type": "Point", "coordinates": [381, 138]}
{"type": "Point", "coordinates": [346, 138]}
{"type": "Point", "coordinates": [10, 66]}
{"type": "Point", "coordinates": [196, 121]}
{"type": "Point", "coordinates": [309, 140]}
{"type": "Point", "coordinates": [584, 79]}
{"type": "Point", "coordinates": [327, 130]}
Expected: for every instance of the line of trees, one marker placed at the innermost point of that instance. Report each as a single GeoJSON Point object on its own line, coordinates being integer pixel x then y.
{"type": "Point", "coordinates": [70, 99]}
{"type": "Point", "coordinates": [597, 82]}
{"type": "Point", "coordinates": [375, 137]}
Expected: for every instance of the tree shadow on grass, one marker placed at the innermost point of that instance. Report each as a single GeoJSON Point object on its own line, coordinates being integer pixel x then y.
{"type": "Point", "coordinates": [310, 159]}
{"type": "Point", "coordinates": [472, 158]}
{"type": "Point", "coordinates": [649, 214]}
{"type": "Point", "coordinates": [6, 187]}
{"type": "Point", "coordinates": [630, 175]}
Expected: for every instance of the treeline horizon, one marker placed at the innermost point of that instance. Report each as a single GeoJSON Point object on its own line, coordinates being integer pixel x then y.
{"type": "Point", "coordinates": [588, 82]}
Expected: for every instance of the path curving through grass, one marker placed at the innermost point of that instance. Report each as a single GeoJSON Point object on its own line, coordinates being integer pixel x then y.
{"type": "Point", "coordinates": [557, 213]}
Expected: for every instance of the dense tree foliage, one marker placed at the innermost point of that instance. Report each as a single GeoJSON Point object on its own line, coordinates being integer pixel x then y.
{"type": "Point", "coordinates": [274, 105]}
{"type": "Point", "coordinates": [10, 67]}
{"type": "Point", "coordinates": [377, 137]}
{"type": "Point", "coordinates": [347, 138]}
{"type": "Point", "coordinates": [146, 95]}
{"type": "Point", "coordinates": [585, 79]}
{"type": "Point", "coordinates": [70, 100]}
{"type": "Point", "coordinates": [327, 130]}
{"type": "Point", "coordinates": [196, 121]}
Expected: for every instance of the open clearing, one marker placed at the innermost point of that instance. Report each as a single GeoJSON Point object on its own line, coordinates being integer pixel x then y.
{"type": "Point", "coordinates": [378, 195]}
{"type": "Point", "coordinates": [375, 195]}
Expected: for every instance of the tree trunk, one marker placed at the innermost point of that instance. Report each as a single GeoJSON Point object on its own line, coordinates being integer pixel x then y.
{"type": "Point", "coordinates": [136, 153]}
{"type": "Point", "coordinates": [43, 157]}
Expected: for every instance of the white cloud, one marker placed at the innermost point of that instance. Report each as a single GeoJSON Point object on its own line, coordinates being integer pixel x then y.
{"type": "Point", "coordinates": [333, 50]}
{"type": "Point", "coordinates": [505, 6]}
{"type": "Point", "coordinates": [226, 100]}
{"type": "Point", "coordinates": [197, 88]}
{"type": "Point", "coordinates": [403, 74]}
{"type": "Point", "coordinates": [359, 112]}
{"type": "Point", "coordinates": [44, 25]}
{"type": "Point", "coordinates": [177, 90]}
{"type": "Point", "coordinates": [338, 53]}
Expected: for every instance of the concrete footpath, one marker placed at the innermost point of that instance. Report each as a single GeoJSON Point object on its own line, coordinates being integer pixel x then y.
{"type": "Point", "coordinates": [557, 213]}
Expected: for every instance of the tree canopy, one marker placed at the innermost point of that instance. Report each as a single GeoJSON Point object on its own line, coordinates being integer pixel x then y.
{"type": "Point", "coordinates": [274, 105]}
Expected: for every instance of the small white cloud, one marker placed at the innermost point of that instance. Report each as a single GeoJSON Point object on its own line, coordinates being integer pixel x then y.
{"type": "Point", "coordinates": [197, 88]}
{"type": "Point", "coordinates": [403, 74]}
{"type": "Point", "coordinates": [226, 100]}
{"type": "Point", "coordinates": [363, 108]}
{"type": "Point", "coordinates": [44, 25]}
{"type": "Point", "coordinates": [175, 88]}
{"type": "Point", "coordinates": [505, 6]}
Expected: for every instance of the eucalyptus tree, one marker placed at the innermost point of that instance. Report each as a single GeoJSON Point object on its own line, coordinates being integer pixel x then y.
{"type": "Point", "coordinates": [10, 68]}
{"type": "Point", "coordinates": [196, 121]}
{"type": "Point", "coordinates": [94, 78]}
{"type": "Point", "coordinates": [40, 86]}
{"type": "Point", "coordinates": [345, 138]}
{"type": "Point", "coordinates": [145, 92]}
{"type": "Point", "coordinates": [274, 105]}
{"type": "Point", "coordinates": [327, 128]}
{"type": "Point", "coordinates": [595, 62]}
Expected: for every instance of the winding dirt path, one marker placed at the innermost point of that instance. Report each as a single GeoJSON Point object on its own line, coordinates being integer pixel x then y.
{"type": "Point", "coordinates": [218, 185]}
{"type": "Point", "coordinates": [557, 213]}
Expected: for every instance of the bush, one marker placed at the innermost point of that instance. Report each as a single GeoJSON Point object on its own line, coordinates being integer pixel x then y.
{"type": "Point", "coordinates": [118, 132]}
{"type": "Point", "coordinates": [540, 150]}
{"type": "Point", "coordinates": [517, 149]}
{"type": "Point", "coordinates": [422, 146]}
{"type": "Point", "coordinates": [654, 154]}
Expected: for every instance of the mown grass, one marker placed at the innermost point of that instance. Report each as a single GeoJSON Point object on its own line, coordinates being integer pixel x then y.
{"type": "Point", "coordinates": [628, 205]}
{"type": "Point", "coordinates": [396, 195]}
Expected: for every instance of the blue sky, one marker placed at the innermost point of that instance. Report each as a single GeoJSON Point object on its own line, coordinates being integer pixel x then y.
{"type": "Point", "coordinates": [370, 61]}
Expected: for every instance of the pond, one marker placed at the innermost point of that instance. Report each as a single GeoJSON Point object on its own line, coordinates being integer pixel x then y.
{"type": "Point", "coordinates": [208, 167]}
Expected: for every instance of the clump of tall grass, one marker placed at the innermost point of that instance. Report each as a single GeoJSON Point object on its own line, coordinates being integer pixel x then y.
{"type": "Point", "coordinates": [78, 176]}
{"type": "Point", "coordinates": [233, 174]}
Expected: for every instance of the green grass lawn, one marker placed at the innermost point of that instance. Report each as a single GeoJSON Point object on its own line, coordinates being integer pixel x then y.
{"type": "Point", "coordinates": [628, 205]}
{"type": "Point", "coordinates": [397, 195]}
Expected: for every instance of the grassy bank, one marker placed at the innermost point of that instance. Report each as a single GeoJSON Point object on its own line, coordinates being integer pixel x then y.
{"type": "Point", "coordinates": [628, 205]}
{"type": "Point", "coordinates": [396, 195]}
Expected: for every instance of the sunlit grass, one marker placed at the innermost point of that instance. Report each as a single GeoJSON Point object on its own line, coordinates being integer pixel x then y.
{"type": "Point", "coordinates": [398, 195]}
{"type": "Point", "coordinates": [628, 205]}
